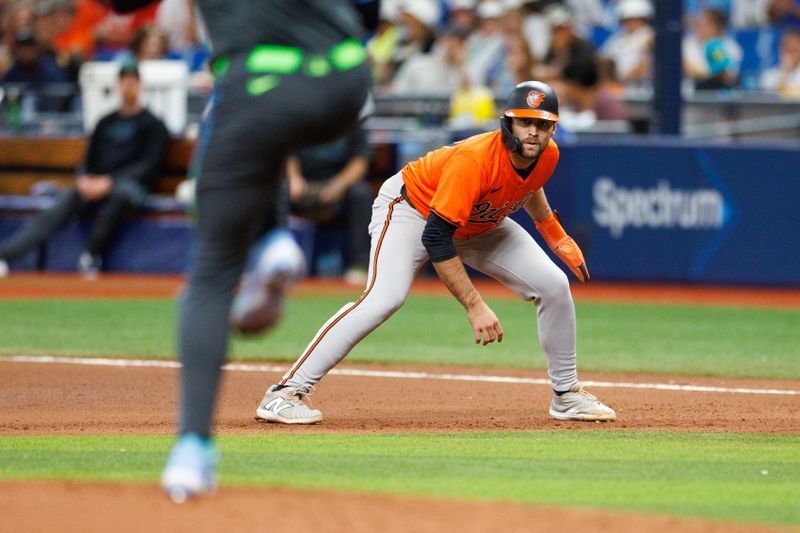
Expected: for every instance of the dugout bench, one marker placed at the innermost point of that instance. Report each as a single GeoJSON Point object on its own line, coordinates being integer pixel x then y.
{"type": "Point", "coordinates": [156, 239]}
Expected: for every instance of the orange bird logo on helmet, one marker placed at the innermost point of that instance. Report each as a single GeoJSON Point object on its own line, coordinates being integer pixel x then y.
{"type": "Point", "coordinates": [535, 98]}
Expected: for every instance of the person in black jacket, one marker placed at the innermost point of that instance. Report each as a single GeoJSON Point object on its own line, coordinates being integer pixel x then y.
{"type": "Point", "coordinates": [120, 168]}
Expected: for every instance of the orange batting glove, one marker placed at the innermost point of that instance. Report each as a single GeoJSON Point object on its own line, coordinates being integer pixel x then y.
{"type": "Point", "coordinates": [563, 245]}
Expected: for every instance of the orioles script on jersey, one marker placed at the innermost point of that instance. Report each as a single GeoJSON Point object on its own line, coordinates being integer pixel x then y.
{"type": "Point", "coordinates": [472, 184]}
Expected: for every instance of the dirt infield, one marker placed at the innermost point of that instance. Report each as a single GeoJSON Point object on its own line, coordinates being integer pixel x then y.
{"type": "Point", "coordinates": [82, 508]}
{"type": "Point", "coordinates": [45, 399]}
{"type": "Point", "coordinates": [92, 400]}
{"type": "Point", "coordinates": [68, 399]}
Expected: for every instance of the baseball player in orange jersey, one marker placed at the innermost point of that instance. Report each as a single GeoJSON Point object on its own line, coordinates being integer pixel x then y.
{"type": "Point", "coordinates": [452, 206]}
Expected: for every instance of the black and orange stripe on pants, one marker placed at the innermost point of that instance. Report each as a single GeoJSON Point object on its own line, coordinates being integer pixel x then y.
{"type": "Point", "coordinates": [396, 256]}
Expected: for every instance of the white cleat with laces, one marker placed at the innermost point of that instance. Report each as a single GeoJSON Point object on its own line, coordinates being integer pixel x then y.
{"type": "Point", "coordinates": [579, 404]}
{"type": "Point", "coordinates": [286, 406]}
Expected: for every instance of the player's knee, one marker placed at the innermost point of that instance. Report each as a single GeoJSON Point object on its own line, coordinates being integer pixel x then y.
{"type": "Point", "coordinates": [387, 305]}
{"type": "Point", "coordinates": [555, 287]}
{"type": "Point", "coordinates": [393, 304]}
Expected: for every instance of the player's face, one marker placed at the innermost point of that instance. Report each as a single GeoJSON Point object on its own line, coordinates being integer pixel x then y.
{"type": "Point", "coordinates": [534, 133]}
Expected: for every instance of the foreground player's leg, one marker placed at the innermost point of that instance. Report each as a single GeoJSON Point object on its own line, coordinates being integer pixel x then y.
{"type": "Point", "coordinates": [224, 221]}
{"type": "Point", "coordinates": [509, 254]}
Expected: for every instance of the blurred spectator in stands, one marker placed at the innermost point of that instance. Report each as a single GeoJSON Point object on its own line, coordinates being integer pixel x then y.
{"type": "Point", "coordinates": [518, 66]}
{"type": "Point", "coordinates": [151, 43]}
{"type": "Point", "coordinates": [692, 8]}
{"type": "Point", "coordinates": [784, 13]}
{"type": "Point", "coordinates": [187, 37]}
{"type": "Point", "coordinates": [607, 75]}
{"type": "Point", "coordinates": [749, 14]}
{"type": "Point", "coordinates": [785, 77]}
{"type": "Point", "coordinates": [382, 46]}
{"type": "Point", "coordinates": [327, 185]}
{"type": "Point", "coordinates": [16, 16]}
{"type": "Point", "coordinates": [116, 31]}
{"type": "Point", "coordinates": [588, 97]}
{"type": "Point", "coordinates": [740, 13]}
{"type": "Point", "coordinates": [417, 21]}
{"type": "Point", "coordinates": [33, 70]}
{"type": "Point", "coordinates": [120, 167]}
{"type": "Point", "coordinates": [52, 18]}
{"type": "Point", "coordinates": [21, 15]}
{"type": "Point", "coordinates": [567, 49]}
{"type": "Point", "coordinates": [440, 72]}
{"type": "Point", "coordinates": [178, 20]}
{"type": "Point", "coordinates": [462, 13]}
{"type": "Point", "coordinates": [511, 24]}
{"type": "Point", "coordinates": [98, 32]}
{"type": "Point", "coordinates": [536, 27]}
{"type": "Point", "coordinates": [78, 37]}
{"type": "Point", "coordinates": [485, 45]}
{"type": "Point", "coordinates": [586, 14]}
{"type": "Point", "coordinates": [631, 46]}
{"type": "Point", "coordinates": [29, 63]}
{"type": "Point", "coordinates": [148, 43]}
{"type": "Point", "coordinates": [513, 21]}
{"type": "Point", "coordinates": [711, 58]}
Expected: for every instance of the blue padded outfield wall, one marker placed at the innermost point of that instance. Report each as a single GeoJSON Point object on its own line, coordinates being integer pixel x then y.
{"type": "Point", "coordinates": [649, 210]}
{"type": "Point", "coordinates": [671, 211]}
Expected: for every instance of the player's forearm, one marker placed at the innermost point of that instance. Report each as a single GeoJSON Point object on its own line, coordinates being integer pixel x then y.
{"type": "Point", "coordinates": [538, 208]}
{"type": "Point", "coordinates": [455, 278]}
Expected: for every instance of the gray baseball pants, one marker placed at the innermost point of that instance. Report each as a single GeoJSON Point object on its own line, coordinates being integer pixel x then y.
{"type": "Point", "coordinates": [507, 253]}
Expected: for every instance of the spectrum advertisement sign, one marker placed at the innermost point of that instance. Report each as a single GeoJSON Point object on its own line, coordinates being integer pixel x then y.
{"type": "Point", "coordinates": [675, 212]}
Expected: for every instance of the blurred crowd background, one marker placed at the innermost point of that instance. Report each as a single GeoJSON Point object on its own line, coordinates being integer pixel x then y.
{"type": "Point", "coordinates": [596, 52]}
{"type": "Point", "coordinates": [662, 167]}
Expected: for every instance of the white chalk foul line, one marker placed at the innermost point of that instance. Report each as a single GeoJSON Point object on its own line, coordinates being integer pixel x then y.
{"type": "Point", "coordinates": [239, 367]}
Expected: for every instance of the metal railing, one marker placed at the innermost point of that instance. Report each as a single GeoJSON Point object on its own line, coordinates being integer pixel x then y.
{"type": "Point", "coordinates": [56, 110]}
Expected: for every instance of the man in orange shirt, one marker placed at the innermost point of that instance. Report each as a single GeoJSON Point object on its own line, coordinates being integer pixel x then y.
{"type": "Point", "coordinates": [452, 206]}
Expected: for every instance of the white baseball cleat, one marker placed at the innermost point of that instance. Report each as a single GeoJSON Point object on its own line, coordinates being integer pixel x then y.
{"type": "Point", "coordinates": [190, 468]}
{"type": "Point", "coordinates": [579, 404]}
{"type": "Point", "coordinates": [286, 406]}
{"type": "Point", "coordinates": [259, 304]}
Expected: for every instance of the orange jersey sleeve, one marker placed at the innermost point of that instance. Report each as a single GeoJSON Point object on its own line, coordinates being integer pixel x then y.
{"type": "Point", "coordinates": [472, 184]}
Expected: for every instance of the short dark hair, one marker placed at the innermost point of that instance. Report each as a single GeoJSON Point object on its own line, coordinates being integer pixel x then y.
{"type": "Point", "coordinates": [25, 37]}
{"type": "Point", "coordinates": [718, 18]}
{"type": "Point", "coordinates": [584, 73]}
{"type": "Point", "coordinates": [128, 69]}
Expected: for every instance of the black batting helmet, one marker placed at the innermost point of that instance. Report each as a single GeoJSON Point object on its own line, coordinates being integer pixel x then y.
{"type": "Point", "coordinates": [529, 99]}
{"type": "Point", "coordinates": [532, 99]}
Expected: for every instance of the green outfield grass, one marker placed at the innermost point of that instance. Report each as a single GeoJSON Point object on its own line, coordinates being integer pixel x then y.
{"type": "Point", "coordinates": [673, 339]}
{"type": "Point", "coordinates": [740, 477]}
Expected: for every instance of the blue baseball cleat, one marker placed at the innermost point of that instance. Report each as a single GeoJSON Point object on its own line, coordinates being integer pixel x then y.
{"type": "Point", "coordinates": [259, 304]}
{"type": "Point", "coordinates": [190, 468]}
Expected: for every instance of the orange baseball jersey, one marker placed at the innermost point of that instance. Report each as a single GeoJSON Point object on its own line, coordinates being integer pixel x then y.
{"type": "Point", "coordinates": [472, 183]}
